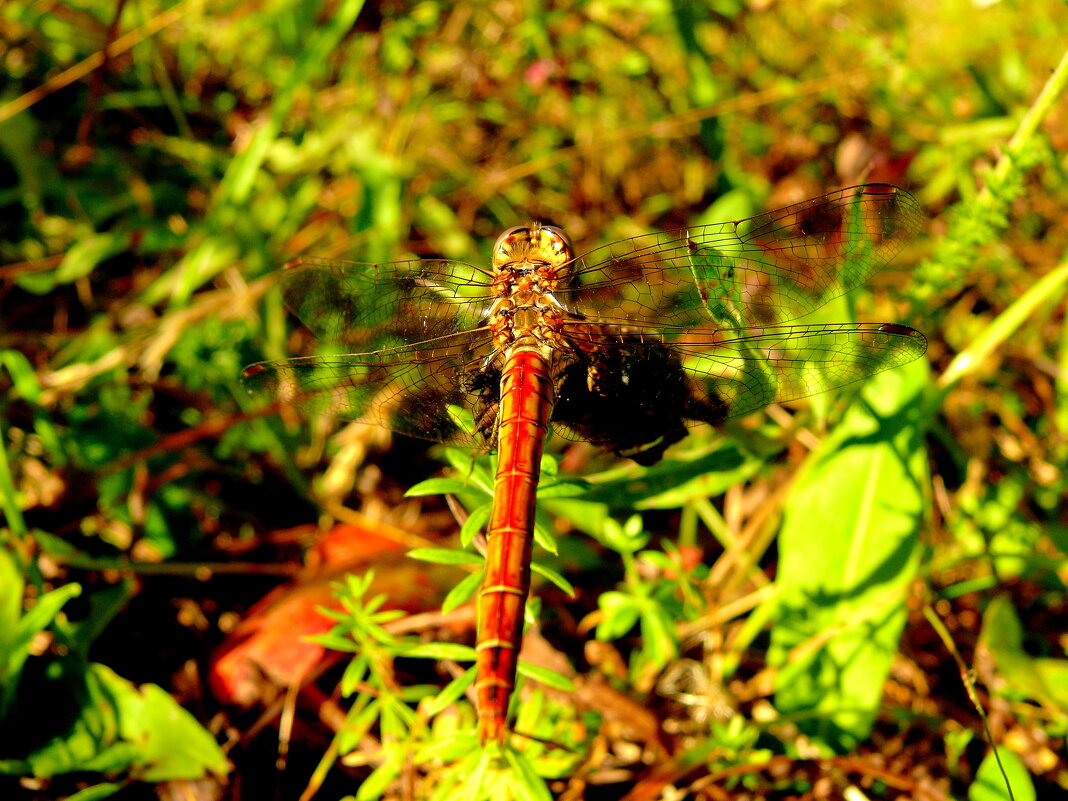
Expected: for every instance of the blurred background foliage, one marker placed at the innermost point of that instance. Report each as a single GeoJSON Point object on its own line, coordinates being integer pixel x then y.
{"type": "Point", "coordinates": [159, 160]}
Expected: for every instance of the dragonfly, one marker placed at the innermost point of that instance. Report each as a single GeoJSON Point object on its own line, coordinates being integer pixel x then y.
{"type": "Point", "coordinates": [627, 346]}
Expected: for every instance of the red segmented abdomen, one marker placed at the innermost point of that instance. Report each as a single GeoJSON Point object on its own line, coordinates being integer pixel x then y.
{"type": "Point", "coordinates": [523, 415]}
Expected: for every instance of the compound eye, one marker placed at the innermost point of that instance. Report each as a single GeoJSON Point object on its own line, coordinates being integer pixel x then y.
{"type": "Point", "coordinates": [559, 234]}
{"type": "Point", "coordinates": [505, 235]}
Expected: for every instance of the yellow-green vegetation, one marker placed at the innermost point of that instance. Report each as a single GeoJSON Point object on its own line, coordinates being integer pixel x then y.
{"type": "Point", "coordinates": [857, 596]}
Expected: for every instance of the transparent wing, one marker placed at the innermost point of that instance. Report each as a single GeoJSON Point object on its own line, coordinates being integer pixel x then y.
{"type": "Point", "coordinates": [635, 391]}
{"type": "Point", "coordinates": [368, 307]}
{"type": "Point", "coordinates": [766, 270]}
{"type": "Point", "coordinates": [423, 390]}
{"type": "Point", "coordinates": [668, 329]}
{"type": "Point", "coordinates": [416, 329]}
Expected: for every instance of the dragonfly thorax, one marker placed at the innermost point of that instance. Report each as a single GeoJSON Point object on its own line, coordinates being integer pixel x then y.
{"type": "Point", "coordinates": [529, 263]}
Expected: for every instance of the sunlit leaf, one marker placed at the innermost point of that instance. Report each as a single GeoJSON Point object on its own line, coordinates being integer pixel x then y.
{"type": "Point", "coordinates": [621, 613]}
{"type": "Point", "coordinates": [546, 676]}
{"type": "Point", "coordinates": [445, 556]}
{"type": "Point", "coordinates": [463, 590]}
{"type": "Point", "coordinates": [553, 576]}
{"type": "Point", "coordinates": [440, 650]}
{"type": "Point", "coordinates": [990, 782]}
{"type": "Point", "coordinates": [850, 548]}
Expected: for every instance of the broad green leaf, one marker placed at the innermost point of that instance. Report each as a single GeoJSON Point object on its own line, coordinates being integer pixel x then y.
{"type": "Point", "coordinates": [461, 417]}
{"type": "Point", "coordinates": [989, 784]}
{"type": "Point", "coordinates": [625, 539]}
{"type": "Point", "coordinates": [549, 467]}
{"type": "Point", "coordinates": [543, 535]}
{"type": "Point", "coordinates": [621, 612]}
{"type": "Point", "coordinates": [121, 728]}
{"type": "Point", "coordinates": [1041, 678]}
{"type": "Point", "coordinates": [171, 743]}
{"type": "Point", "coordinates": [850, 548]}
{"type": "Point", "coordinates": [658, 635]}
{"type": "Point", "coordinates": [713, 275]}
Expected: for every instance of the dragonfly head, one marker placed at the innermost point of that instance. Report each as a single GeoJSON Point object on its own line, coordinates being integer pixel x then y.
{"type": "Point", "coordinates": [534, 247]}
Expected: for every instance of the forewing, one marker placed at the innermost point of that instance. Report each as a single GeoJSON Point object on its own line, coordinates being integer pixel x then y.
{"type": "Point", "coordinates": [766, 270]}
{"type": "Point", "coordinates": [420, 348]}
{"type": "Point", "coordinates": [366, 307]}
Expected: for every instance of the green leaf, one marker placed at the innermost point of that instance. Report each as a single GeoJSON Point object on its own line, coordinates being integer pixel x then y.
{"type": "Point", "coordinates": [476, 520]}
{"type": "Point", "coordinates": [333, 639]}
{"type": "Point", "coordinates": [673, 482]}
{"type": "Point", "coordinates": [474, 783]}
{"type": "Point", "coordinates": [713, 275]}
{"type": "Point", "coordinates": [463, 590]}
{"type": "Point", "coordinates": [564, 488]}
{"type": "Point", "coordinates": [11, 590]}
{"type": "Point", "coordinates": [1005, 325]}
{"type": "Point", "coordinates": [23, 376]}
{"type": "Point", "coordinates": [123, 728]}
{"type": "Point", "coordinates": [989, 784]}
{"type": "Point", "coordinates": [355, 672]}
{"type": "Point", "coordinates": [439, 650]}
{"type": "Point", "coordinates": [97, 792]}
{"type": "Point", "coordinates": [171, 743]}
{"type": "Point", "coordinates": [850, 548]}
{"type": "Point", "coordinates": [462, 417]}
{"type": "Point", "coordinates": [445, 556]}
{"type": "Point", "coordinates": [1043, 679]}
{"type": "Point", "coordinates": [457, 746]}
{"type": "Point", "coordinates": [543, 536]}
{"type": "Point", "coordinates": [452, 692]}
{"type": "Point", "coordinates": [526, 784]}
{"type": "Point", "coordinates": [18, 630]}
{"type": "Point", "coordinates": [553, 576]}
{"type": "Point", "coordinates": [438, 486]}
{"type": "Point", "coordinates": [658, 635]}
{"type": "Point", "coordinates": [546, 676]}
{"type": "Point", "coordinates": [625, 539]}
{"type": "Point", "coordinates": [621, 612]}
{"type": "Point", "coordinates": [80, 260]}
{"type": "Point", "coordinates": [382, 776]}
{"type": "Point", "coordinates": [44, 612]}
{"type": "Point", "coordinates": [358, 722]}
